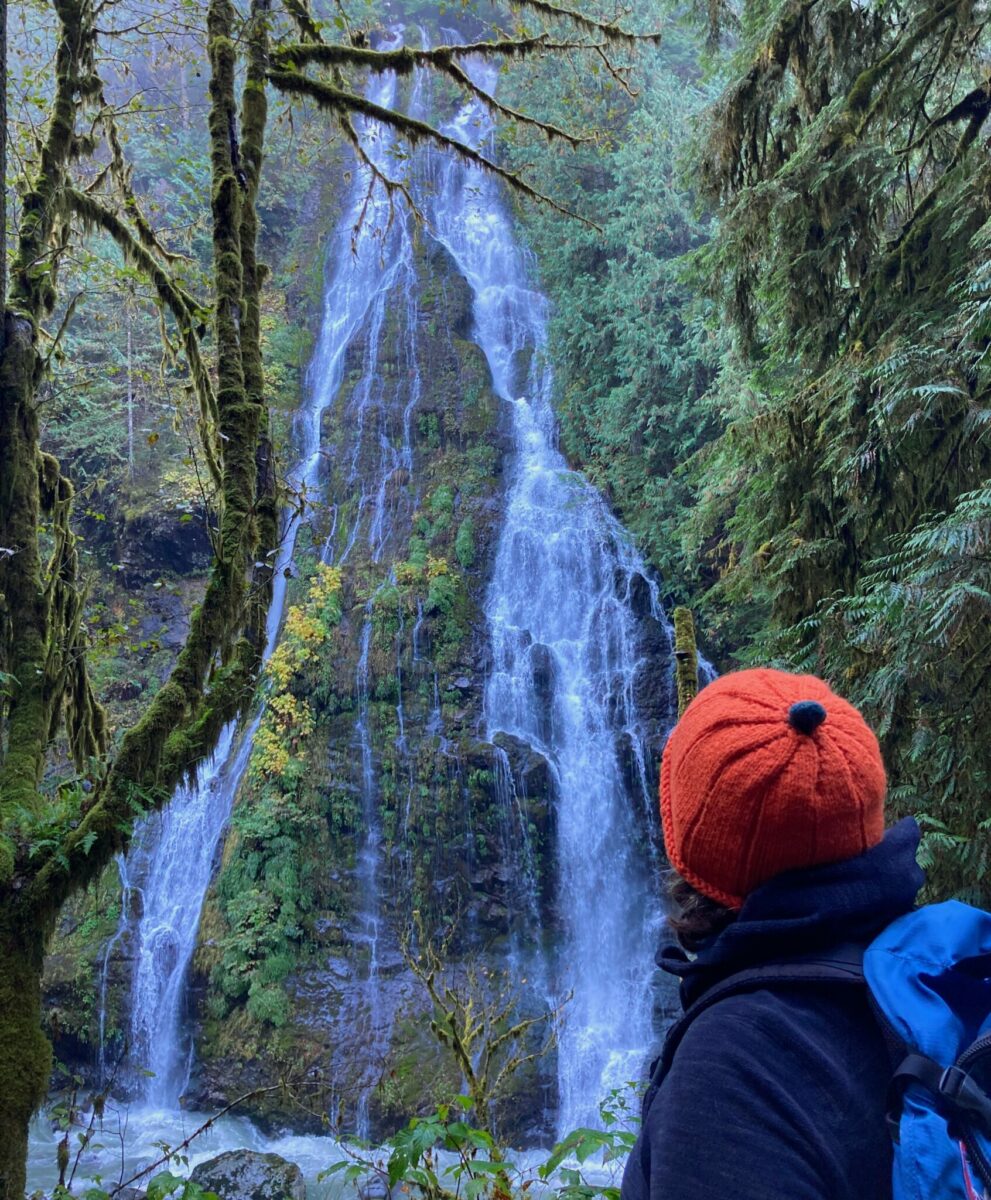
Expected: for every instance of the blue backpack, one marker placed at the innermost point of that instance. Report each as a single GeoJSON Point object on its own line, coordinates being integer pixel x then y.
{"type": "Point", "coordinates": [929, 976]}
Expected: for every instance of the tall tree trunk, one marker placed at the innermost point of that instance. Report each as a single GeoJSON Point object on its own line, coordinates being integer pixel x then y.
{"type": "Point", "coordinates": [3, 163]}
{"type": "Point", "coordinates": [25, 1055]}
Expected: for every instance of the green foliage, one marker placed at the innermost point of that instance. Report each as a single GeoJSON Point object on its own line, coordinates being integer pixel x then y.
{"type": "Point", "coordinates": [464, 544]}
{"type": "Point", "coordinates": [280, 828]}
{"type": "Point", "coordinates": [845, 509]}
{"type": "Point", "coordinates": [167, 1184]}
{"type": "Point", "coordinates": [442, 1155]}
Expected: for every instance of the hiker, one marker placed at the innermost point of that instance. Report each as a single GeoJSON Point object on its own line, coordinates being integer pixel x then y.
{"type": "Point", "coordinates": [772, 800]}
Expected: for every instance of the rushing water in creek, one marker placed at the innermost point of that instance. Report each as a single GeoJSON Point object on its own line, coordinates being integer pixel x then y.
{"type": "Point", "coordinates": [564, 636]}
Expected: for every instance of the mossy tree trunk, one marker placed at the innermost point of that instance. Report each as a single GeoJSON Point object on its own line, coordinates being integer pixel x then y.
{"type": "Point", "coordinates": [40, 602]}
{"type": "Point", "coordinates": [686, 657]}
{"type": "Point", "coordinates": [25, 1056]}
{"type": "Point", "coordinates": [30, 698]}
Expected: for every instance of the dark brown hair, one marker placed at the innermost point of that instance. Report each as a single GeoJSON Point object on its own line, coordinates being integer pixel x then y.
{"type": "Point", "coordinates": [694, 918]}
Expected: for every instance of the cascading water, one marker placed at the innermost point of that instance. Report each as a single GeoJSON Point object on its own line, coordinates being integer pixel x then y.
{"type": "Point", "coordinates": [565, 653]}
{"type": "Point", "coordinates": [174, 853]}
{"type": "Point", "coordinates": [563, 629]}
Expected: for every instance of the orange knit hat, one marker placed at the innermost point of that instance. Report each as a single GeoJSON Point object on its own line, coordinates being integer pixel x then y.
{"type": "Point", "coordinates": [768, 772]}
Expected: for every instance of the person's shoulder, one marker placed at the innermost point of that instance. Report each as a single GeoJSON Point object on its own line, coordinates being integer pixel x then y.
{"type": "Point", "coordinates": [760, 1017]}
{"type": "Point", "coordinates": [824, 1028]}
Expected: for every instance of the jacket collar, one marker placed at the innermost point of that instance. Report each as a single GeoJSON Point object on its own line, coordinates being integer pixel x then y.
{"type": "Point", "coordinates": [803, 912]}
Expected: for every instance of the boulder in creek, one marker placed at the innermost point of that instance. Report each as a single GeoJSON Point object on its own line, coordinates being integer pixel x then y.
{"type": "Point", "coordinates": [250, 1175]}
{"type": "Point", "coordinates": [374, 1187]}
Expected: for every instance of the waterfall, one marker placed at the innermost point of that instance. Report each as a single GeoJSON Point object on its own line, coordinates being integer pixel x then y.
{"type": "Point", "coordinates": [565, 652]}
{"type": "Point", "coordinates": [173, 854]}
{"type": "Point", "coordinates": [563, 625]}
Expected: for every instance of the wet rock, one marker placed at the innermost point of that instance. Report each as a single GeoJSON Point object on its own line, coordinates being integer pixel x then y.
{"type": "Point", "coordinates": [374, 1187]}
{"type": "Point", "coordinates": [250, 1175]}
{"type": "Point", "coordinates": [640, 599]}
{"type": "Point", "coordinates": [653, 688]}
{"type": "Point", "coordinates": [158, 538]}
{"type": "Point", "coordinates": [544, 672]}
{"type": "Point", "coordinates": [123, 689]}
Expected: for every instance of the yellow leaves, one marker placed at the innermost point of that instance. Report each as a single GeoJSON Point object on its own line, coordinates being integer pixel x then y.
{"type": "Point", "coordinates": [295, 714]}
{"type": "Point", "coordinates": [281, 666]}
{"type": "Point", "coordinates": [437, 567]}
{"type": "Point", "coordinates": [407, 573]}
{"type": "Point", "coordinates": [302, 627]}
{"type": "Point", "coordinates": [288, 718]}
{"type": "Point", "coordinates": [269, 755]}
{"type": "Point", "coordinates": [325, 584]}
{"type": "Point", "coordinates": [306, 627]}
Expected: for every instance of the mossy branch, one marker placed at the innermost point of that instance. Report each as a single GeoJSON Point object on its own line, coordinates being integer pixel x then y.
{"type": "Point", "coordinates": [442, 59]}
{"type": "Point", "coordinates": [686, 658]}
{"type": "Point", "coordinates": [406, 59]}
{"type": "Point", "coordinates": [416, 132]}
{"type": "Point", "coordinates": [303, 19]}
{"type": "Point", "coordinates": [254, 117]}
{"type": "Point", "coordinates": [611, 30]}
{"type": "Point", "coordinates": [122, 174]}
{"type": "Point", "coordinates": [214, 674]}
{"type": "Point", "coordinates": [31, 706]}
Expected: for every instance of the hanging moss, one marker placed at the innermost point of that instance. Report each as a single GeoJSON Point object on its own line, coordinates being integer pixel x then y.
{"type": "Point", "coordinates": [686, 658]}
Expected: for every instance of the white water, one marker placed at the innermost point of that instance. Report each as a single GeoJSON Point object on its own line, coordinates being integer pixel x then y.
{"type": "Point", "coordinates": [558, 605]}
{"type": "Point", "coordinates": [174, 854]}
{"type": "Point", "coordinates": [127, 1141]}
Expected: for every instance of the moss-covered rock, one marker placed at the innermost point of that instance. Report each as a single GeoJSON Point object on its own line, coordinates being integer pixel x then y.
{"type": "Point", "coordinates": [250, 1175]}
{"type": "Point", "coordinates": [85, 988]}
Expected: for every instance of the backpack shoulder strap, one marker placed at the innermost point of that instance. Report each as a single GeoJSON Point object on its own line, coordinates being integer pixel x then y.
{"type": "Point", "coordinates": [843, 965]}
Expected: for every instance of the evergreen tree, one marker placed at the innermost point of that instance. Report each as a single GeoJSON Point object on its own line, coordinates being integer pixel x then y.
{"type": "Point", "coordinates": [846, 506]}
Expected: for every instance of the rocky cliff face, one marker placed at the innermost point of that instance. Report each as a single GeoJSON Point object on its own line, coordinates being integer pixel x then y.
{"type": "Point", "coordinates": [398, 804]}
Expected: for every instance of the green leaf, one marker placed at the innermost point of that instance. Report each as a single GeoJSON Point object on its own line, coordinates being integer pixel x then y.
{"type": "Point", "coordinates": [164, 1185]}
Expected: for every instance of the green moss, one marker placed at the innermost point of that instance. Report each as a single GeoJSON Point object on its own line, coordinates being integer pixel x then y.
{"type": "Point", "coordinates": [464, 544]}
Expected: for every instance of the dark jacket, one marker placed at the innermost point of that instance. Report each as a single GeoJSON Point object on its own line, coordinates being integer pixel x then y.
{"type": "Point", "coordinates": [778, 1094]}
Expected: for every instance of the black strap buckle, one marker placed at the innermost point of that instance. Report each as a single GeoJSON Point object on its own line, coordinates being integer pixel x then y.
{"type": "Point", "coordinates": [952, 1082]}
{"type": "Point", "coordinates": [960, 1096]}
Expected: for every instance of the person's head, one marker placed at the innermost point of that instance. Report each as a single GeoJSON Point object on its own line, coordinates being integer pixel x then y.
{"type": "Point", "coordinates": [765, 772]}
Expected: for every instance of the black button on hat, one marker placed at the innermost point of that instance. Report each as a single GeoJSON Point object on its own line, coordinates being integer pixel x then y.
{"type": "Point", "coordinates": [806, 716]}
